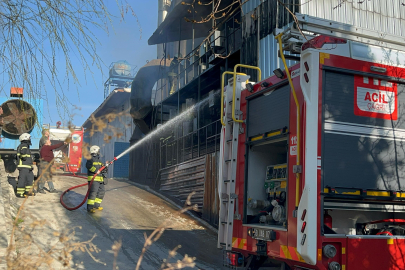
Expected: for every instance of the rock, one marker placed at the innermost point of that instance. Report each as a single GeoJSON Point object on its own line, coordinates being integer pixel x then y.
{"type": "Point", "coordinates": [8, 210]}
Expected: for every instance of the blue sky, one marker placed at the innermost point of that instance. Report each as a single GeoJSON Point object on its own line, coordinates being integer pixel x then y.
{"type": "Point", "coordinates": [125, 43]}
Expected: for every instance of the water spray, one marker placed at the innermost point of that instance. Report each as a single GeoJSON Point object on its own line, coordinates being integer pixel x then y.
{"type": "Point", "coordinates": [158, 130]}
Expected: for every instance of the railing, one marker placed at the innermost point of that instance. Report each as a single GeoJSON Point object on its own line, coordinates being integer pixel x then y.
{"type": "Point", "coordinates": [196, 62]}
{"type": "Point", "coordinates": [203, 141]}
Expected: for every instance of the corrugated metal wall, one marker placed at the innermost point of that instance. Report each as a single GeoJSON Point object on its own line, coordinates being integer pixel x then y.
{"type": "Point", "coordinates": [268, 58]}
{"type": "Point", "coordinates": [144, 163]}
{"type": "Point", "coordinates": [199, 175]}
{"type": "Point", "coordinates": [259, 48]}
{"type": "Point", "coordinates": [210, 210]}
{"type": "Point", "coordinates": [383, 15]}
{"type": "Point", "coordinates": [250, 5]}
{"type": "Point", "coordinates": [121, 166]}
{"type": "Point", "coordinates": [182, 179]}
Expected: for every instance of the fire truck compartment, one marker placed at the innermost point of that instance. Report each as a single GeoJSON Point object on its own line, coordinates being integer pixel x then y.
{"type": "Point", "coordinates": [363, 136]}
{"type": "Point", "coordinates": [268, 112]}
{"type": "Point", "coordinates": [266, 158]}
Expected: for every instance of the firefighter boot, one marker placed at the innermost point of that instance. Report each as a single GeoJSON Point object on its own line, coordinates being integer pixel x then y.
{"type": "Point", "coordinates": [30, 193]}
{"type": "Point", "coordinates": [99, 208]}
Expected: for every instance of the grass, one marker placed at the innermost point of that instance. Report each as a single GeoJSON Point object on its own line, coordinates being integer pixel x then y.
{"type": "Point", "coordinates": [17, 221]}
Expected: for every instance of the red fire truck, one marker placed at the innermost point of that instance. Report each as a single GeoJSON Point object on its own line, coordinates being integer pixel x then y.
{"type": "Point", "coordinates": [67, 159]}
{"type": "Point", "coordinates": [312, 170]}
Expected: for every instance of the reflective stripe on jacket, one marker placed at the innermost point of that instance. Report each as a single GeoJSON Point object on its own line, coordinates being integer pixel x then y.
{"type": "Point", "coordinates": [97, 178]}
{"type": "Point", "coordinates": [93, 165]}
{"type": "Point", "coordinates": [24, 157]}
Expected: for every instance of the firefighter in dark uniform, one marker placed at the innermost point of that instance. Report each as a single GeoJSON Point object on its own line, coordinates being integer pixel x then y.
{"type": "Point", "coordinates": [97, 189]}
{"type": "Point", "coordinates": [24, 166]}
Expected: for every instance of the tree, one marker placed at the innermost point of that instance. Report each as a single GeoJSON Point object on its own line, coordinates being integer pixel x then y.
{"type": "Point", "coordinates": [35, 33]}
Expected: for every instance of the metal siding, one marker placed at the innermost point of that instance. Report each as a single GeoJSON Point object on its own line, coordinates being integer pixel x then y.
{"type": "Point", "coordinates": [107, 154]}
{"type": "Point", "coordinates": [121, 166]}
{"type": "Point", "coordinates": [267, 113]}
{"type": "Point", "coordinates": [382, 15]}
{"type": "Point", "coordinates": [119, 130]}
{"type": "Point", "coordinates": [344, 154]}
{"type": "Point", "coordinates": [86, 143]}
{"type": "Point", "coordinates": [210, 208]}
{"type": "Point", "coordinates": [250, 5]}
{"type": "Point", "coordinates": [182, 179]}
{"type": "Point", "coordinates": [268, 58]}
{"type": "Point", "coordinates": [144, 163]}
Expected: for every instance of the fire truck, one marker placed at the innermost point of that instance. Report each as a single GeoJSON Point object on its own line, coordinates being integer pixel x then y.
{"type": "Point", "coordinates": [312, 167]}
{"type": "Point", "coordinates": [67, 159]}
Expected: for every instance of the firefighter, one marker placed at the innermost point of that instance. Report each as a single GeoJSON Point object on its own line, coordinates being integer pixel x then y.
{"type": "Point", "coordinates": [97, 189]}
{"type": "Point", "coordinates": [25, 167]}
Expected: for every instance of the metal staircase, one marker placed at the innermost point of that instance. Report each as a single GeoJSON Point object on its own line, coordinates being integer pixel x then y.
{"type": "Point", "coordinates": [228, 159]}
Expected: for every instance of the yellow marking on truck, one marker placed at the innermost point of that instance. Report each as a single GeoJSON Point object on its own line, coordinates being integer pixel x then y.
{"type": "Point", "coordinates": [390, 241]}
{"type": "Point", "coordinates": [239, 243]}
{"type": "Point", "coordinates": [299, 255]}
{"type": "Point", "coordinates": [284, 251]}
{"type": "Point", "coordinates": [352, 192]}
{"type": "Point", "coordinates": [280, 166]}
{"type": "Point", "coordinates": [290, 253]}
{"type": "Point", "coordinates": [379, 193]}
{"type": "Point", "coordinates": [343, 267]}
{"type": "Point", "coordinates": [343, 250]}
{"type": "Point", "coordinates": [274, 133]}
{"type": "Point", "coordinates": [322, 57]}
{"type": "Point", "coordinates": [326, 190]}
{"type": "Point", "coordinates": [242, 243]}
{"type": "Point", "coordinates": [283, 184]}
{"type": "Point", "coordinates": [256, 138]}
{"type": "Point", "coordinates": [319, 254]}
{"type": "Point", "coordinates": [400, 195]}
{"type": "Point", "coordinates": [234, 241]}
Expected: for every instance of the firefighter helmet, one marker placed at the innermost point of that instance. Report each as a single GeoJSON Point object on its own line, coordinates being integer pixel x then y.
{"type": "Point", "coordinates": [25, 137]}
{"type": "Point", "coordinates": [94, 149]}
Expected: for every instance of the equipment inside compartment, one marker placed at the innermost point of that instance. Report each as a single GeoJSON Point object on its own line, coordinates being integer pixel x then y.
{"type": "Point", "coordinates": [267, 184]}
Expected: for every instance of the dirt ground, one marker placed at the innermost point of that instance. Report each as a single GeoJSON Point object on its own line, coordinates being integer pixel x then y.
{"type": "Point", "coordinates": [129, 213]}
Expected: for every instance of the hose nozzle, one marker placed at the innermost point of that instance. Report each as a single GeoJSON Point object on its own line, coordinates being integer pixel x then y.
{"type": "Point", "coordinates": [108, 163]}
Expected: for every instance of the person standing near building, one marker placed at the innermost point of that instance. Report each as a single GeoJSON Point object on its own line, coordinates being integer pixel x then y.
{"type": "Point", "coordinates": [42, 142]}
{"type": "Point", "coordinates": [24, 166]}
{"type": "Point", "coordinates": [97, 189]}
{"type": "Point", "coordinates": [46, 153]}
{"type": "Point", "coordinates": [44, 138]}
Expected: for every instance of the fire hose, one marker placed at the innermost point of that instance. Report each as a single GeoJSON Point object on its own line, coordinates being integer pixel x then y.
{"type": "Point", "coordinates": [108, 163]}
